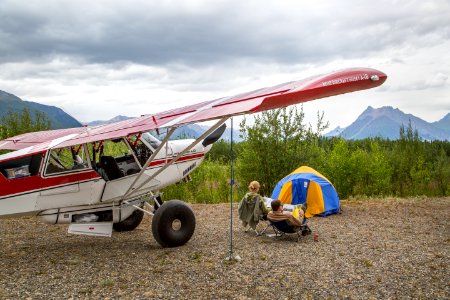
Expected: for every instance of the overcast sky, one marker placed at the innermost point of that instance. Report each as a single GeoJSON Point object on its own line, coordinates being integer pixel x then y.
{"type": "Point", "coordinates": [98, 59]}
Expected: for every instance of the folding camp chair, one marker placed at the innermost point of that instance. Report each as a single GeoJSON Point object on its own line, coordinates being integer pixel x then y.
{"type": "Point", "coordinates": [265, 224]}
{"type": "Point", "coordinates": [284, 227]}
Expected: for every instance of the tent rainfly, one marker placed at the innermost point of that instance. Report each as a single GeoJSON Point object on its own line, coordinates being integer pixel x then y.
{"type": "Point", "coordinates": [306, 185]}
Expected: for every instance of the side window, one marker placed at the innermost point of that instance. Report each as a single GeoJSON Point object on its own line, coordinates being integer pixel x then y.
{"type": "Point", "coordinates": [67, 159]}
{"type": "Point", "coordinates": [115, 148]}
{"type": "Point", "coordinates": [121, 153]}
{"type": "Point", "coordinates": [151, 140]}
{"type": "Point", "coordinates": [21, 167]}
{"type": "Point", "coordinates": [113, 159]}
{"type": "Point", "coordinates": [141, 150]}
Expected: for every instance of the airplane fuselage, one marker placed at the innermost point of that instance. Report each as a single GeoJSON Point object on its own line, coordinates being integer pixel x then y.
{"type": "Point", "coordinates": [84, 189]}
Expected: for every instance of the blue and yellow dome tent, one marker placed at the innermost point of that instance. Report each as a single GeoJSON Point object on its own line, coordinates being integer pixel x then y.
{"type": "Point", "coordinates": [306, 185]}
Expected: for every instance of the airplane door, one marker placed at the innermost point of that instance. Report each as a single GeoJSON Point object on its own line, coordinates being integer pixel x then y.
{"type": "Point", "coordinates": [68, 180]}
{"type": "Point", "coordinates": [122, 170]}
{"type": "Point", "coordinates": [21, 182]}
{"type": "Point", "coordinates": [70, 190]}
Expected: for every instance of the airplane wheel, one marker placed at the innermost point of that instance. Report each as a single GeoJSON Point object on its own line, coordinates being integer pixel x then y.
{"type": "Point", "coordinates": [173, 224]}
{"type": "Point", "coordinates": [131, 222]}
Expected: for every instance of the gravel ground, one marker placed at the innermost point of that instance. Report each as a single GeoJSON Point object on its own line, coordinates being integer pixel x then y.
{"type": "Point", "coordinates": [391, 248]}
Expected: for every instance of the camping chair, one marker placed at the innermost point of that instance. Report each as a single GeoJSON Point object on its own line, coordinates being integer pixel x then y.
{"type": "Point", "coordinates": [284, 227]}
{"type": "Point", "coordinates": [249, 213]}
{"type": "Point", "coordinates": [266, 224]}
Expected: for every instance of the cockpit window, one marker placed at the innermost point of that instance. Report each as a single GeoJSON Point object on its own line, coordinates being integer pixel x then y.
{"type": "Point", "coordinates": [113, 159]}
{"type": "Point", "coordinates": [151, 140]}
{"type": "Point", "coordinates": [66, 159]}
{"type": "Point", "coordinates": [141, 150]}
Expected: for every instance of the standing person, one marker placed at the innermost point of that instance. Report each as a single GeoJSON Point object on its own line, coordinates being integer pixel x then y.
{"type": "Point", "coordinates": [252, 206]}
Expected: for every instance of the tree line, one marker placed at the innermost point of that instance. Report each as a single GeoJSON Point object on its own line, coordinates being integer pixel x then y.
{"type": "Point", "coordinates": [14, 123]}
{"type": "Point", "coordinates": [18, 122]}
{"type": "Point", "coordinates": [279, 142]}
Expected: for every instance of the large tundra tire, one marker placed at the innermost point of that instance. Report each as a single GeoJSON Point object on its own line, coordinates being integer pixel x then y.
{"type": "Point", "coordinates": [173, 224]}
{"type": "Point", "coordinates": [131, 222]}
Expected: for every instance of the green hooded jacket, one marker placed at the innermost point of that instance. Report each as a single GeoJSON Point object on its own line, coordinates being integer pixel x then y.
{"type": "Point", "coordinates": [251, 208]}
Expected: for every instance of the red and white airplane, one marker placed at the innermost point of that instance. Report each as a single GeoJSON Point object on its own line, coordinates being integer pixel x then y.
{"type": "Point", "coordinates": [100, 178]}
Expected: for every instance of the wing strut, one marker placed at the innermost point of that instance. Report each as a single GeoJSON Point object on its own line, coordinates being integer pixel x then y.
{"type": "Point", "coordinates": [200, 138]}
{"type": "Point", "coordinates": [144, 167]}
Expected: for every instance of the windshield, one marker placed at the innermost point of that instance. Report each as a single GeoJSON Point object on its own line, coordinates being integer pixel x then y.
{"type": "Point", "coordinates": [151, 140]}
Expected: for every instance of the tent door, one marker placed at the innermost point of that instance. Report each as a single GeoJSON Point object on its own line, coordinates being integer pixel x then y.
{"type": "Point", "coordinates": [299, 190]}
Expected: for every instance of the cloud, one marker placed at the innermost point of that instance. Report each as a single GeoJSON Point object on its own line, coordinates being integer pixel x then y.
{"type": "Point", "coordinates": [100, 58]}
{"type": "Point", "coordinates": [167, 32]}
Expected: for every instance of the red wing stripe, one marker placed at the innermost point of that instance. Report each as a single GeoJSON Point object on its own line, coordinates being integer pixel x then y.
{"type": "Point", "coordinates": [177, 114]}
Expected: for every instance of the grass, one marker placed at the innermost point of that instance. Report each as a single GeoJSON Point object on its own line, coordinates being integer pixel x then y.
{"type": "Point", "coordinates": [196, 255]}
{"type": "Point", "coordinates": [107, 283]}
{"type": "Point", "coordinates": [210, 184]}
{"type": "Point", "coordinates": [367, 263]}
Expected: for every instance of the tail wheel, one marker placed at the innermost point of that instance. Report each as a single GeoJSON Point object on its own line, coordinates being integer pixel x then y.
{"type": "Point", "coordinates": [173, 224]}
{"type": "Point", "coordinates": [131, 222]}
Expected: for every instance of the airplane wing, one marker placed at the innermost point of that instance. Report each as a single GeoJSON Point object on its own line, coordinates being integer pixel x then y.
{"type": "Point", "coordinates": [321, 86]}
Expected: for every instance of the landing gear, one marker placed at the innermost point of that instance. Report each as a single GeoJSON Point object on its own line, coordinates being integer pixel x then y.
{"type": "Point", "coordinates": [131, 222]}
{"type": "Point", "coordinates": [173, 224]}
{"type": "Point", "coordinates": [157, 202]}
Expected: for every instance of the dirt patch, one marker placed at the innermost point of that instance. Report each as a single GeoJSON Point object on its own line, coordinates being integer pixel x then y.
{"type": "Point", "coordinates": [390, 248]}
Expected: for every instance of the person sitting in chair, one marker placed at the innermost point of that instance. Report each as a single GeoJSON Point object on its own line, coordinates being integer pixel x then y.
{"type": "Point", "coordinates": [278, 214]}
{"type": "Point", "coordinates": [252, 206]}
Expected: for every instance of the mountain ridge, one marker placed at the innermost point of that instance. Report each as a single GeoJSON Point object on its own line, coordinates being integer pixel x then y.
{"type": "Point", "coordinates": [381, 122]}
{"type": "Point", "coordinates": [59, 118]}
{"type": "Point", "coordinates": [385, 122]}
{"type": "Point", "coordinates": [443, 123]}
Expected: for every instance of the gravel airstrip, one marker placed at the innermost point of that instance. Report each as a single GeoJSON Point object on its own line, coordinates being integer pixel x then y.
{"type": "Point", "coordinates": [389, 249]}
